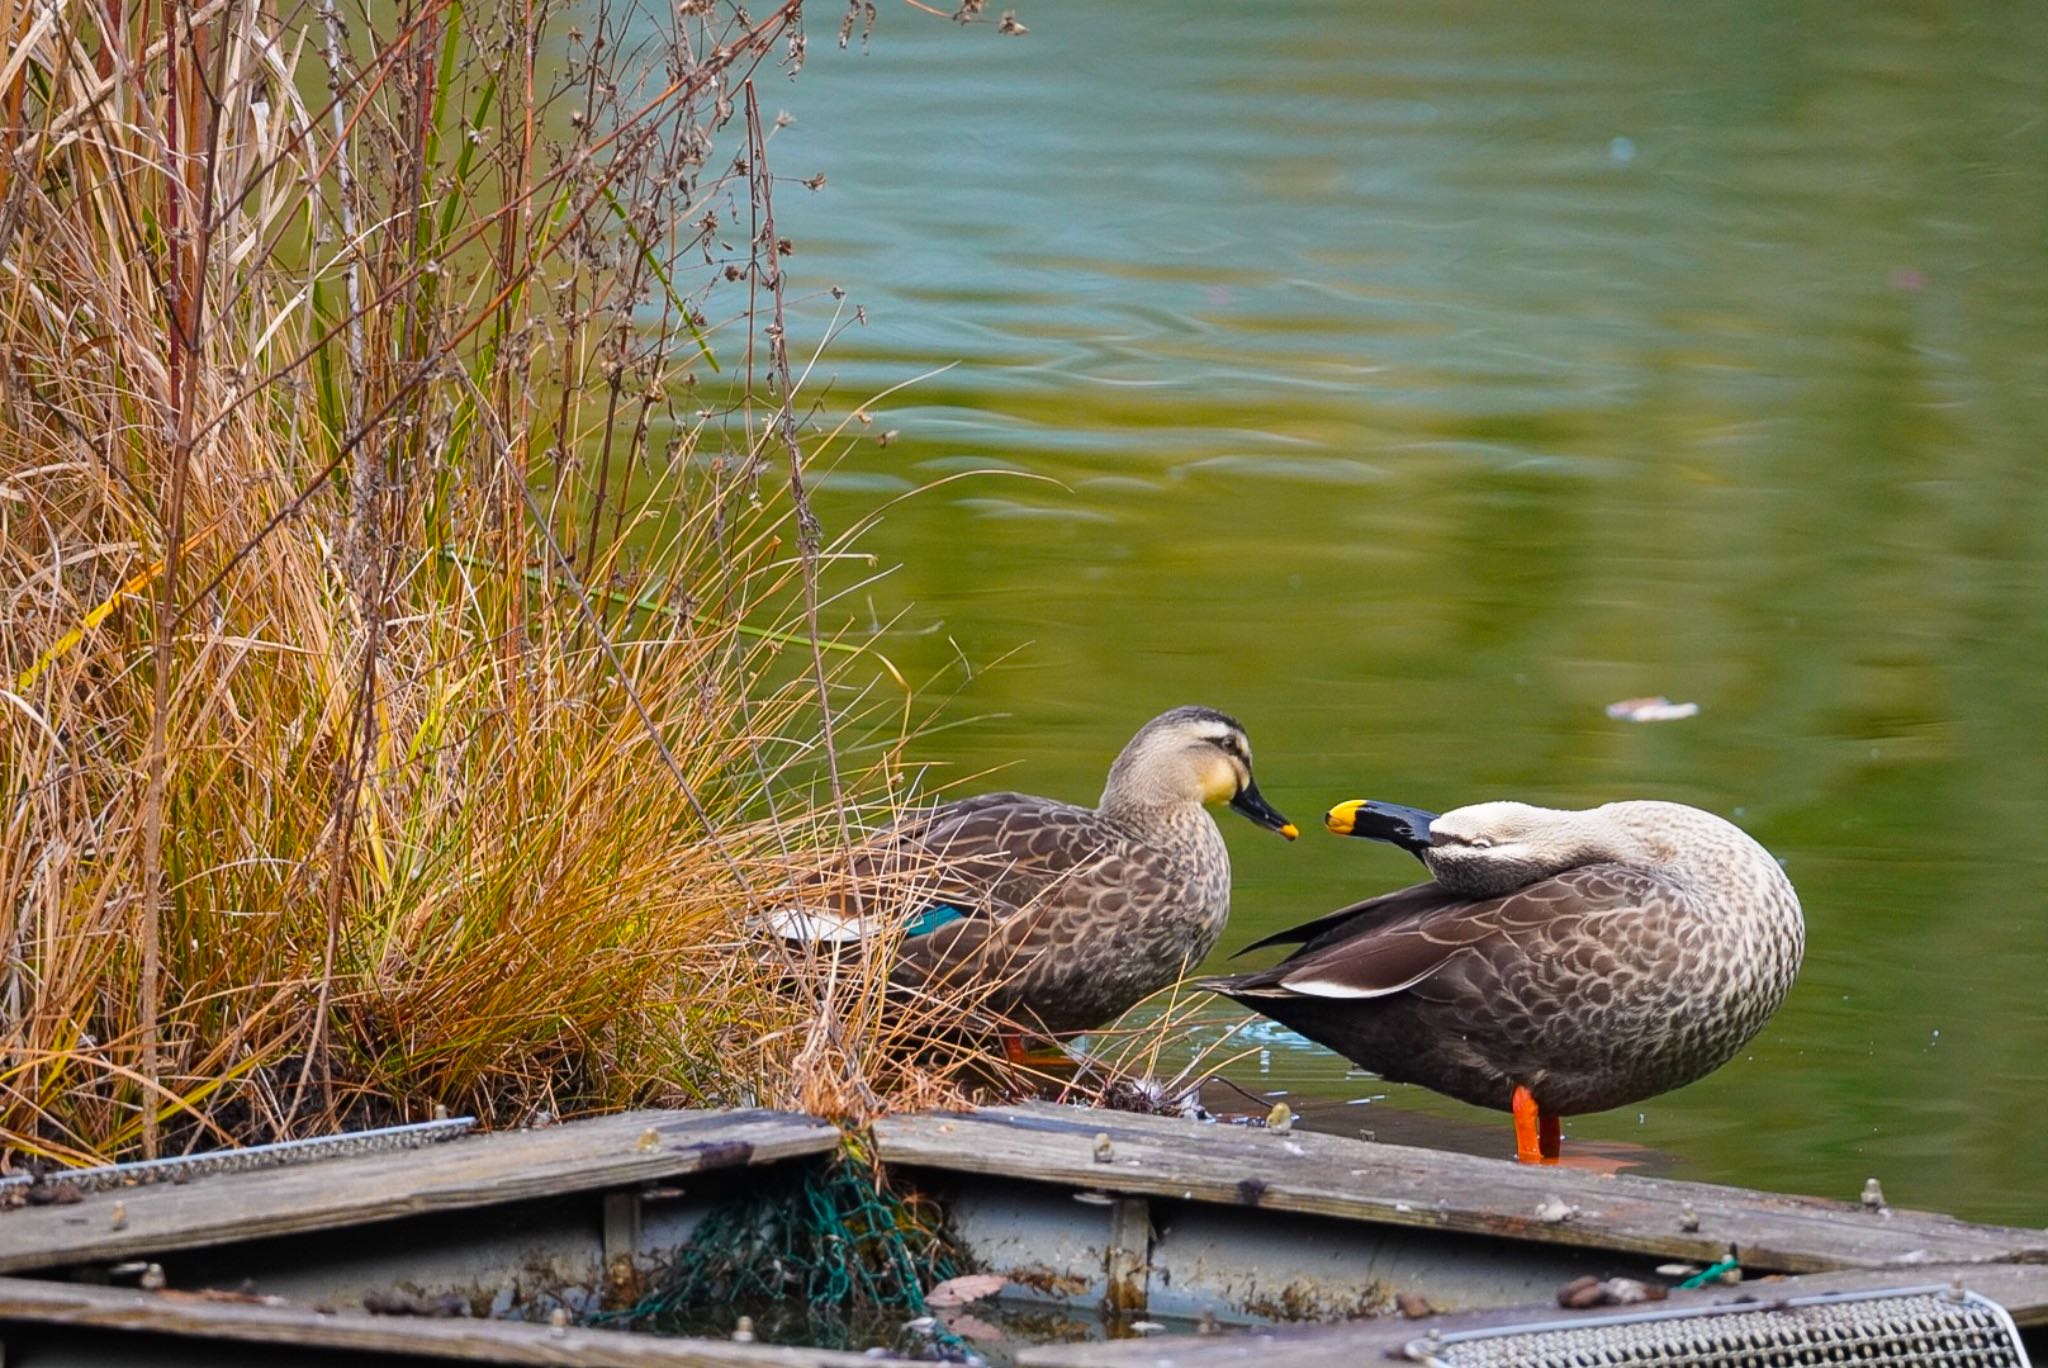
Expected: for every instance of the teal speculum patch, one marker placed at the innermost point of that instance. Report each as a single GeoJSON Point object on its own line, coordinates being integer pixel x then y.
{"type": "Point", "coordinates": [932, 918]}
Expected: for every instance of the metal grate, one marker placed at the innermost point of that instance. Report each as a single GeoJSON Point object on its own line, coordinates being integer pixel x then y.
{"type": "Point", "coordinates": [184, 1168]}
{"type": "Point", "coordinates": [1920, 1325]}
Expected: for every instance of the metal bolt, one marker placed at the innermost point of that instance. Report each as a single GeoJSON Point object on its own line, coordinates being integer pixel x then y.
{"type": "Point", "coordinates": [1688, 1219]}
{"type": "Point", "coordinates": [1102, 1148]}
{"type": "Point", "coordinates": [1873, 1194]}
{"type": "Point", "coordinates": [743, 1332]}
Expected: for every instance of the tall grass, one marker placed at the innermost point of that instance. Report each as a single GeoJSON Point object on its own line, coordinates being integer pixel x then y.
{"type": "Point", "coordinates": [412, 666]}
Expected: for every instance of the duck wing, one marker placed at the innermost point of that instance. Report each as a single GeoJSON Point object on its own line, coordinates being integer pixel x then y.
{"type": "Point", "coordinates": [980, 859]}
{"type": "Point", "coordinates": [996, 853]}
{"type": "Point", "coordinates": [1404, 940]}
{"type": "Point", "coordinates": [1040, 898]}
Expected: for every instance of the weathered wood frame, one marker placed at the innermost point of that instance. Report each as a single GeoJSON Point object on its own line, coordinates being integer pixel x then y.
{"type": "Point", "coordinates": [1165, 1200]}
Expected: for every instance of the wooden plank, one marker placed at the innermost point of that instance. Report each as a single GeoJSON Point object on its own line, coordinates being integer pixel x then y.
{"type": "Point", "coordinates": [611, 1151]}
{"type": "Point", "coordinates": [475, 1341]}
{"type": "Point", "coordinates": [1127, 1258]}
{"type": "Point", "coordinates": [1330, 1175]}
{"type": "Point", "coordinates": [2021, 1288]}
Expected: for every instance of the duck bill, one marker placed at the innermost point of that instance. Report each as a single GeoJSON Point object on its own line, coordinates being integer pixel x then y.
{"type": "Point", "coordinates": [1405, 827]}
{"type": "Point", "coordinates": [1253, 804]}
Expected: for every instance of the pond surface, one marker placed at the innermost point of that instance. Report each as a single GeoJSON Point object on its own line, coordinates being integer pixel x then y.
{"type": "Point", "coordinates": [1413, 380]}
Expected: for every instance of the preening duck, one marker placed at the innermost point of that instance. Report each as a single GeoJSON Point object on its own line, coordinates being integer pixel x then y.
{"type": "Point", "coordinates": [1072, 913]}
{"type": "Point", "coordinates": [1561, 962]}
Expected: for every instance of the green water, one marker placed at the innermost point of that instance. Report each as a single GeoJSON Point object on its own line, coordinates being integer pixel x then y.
{"type": "Point", "coordinates": [1419, 378]}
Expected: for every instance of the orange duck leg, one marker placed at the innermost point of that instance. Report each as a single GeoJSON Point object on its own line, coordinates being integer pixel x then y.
{"type": "Point", "coordinates": [1538, 1136]}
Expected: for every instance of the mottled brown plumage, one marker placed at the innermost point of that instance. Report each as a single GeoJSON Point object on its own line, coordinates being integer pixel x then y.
{"type": "Point", "coordinates": [1067, 915]}
{"type": "Point", "coordinates": [1595, 958]}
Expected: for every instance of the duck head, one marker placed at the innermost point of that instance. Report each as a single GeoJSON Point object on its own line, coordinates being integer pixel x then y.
{"type": "Point", "coordinates": [1190, 755]}
{"type": "Point", "coordinates": [1488, 849]}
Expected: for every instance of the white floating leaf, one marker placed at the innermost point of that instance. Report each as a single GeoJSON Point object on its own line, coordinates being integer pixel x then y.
{"type": "Point", "coordinates": [967, 1288]}
{"type": "Point", "coordinates": [1656, 709]}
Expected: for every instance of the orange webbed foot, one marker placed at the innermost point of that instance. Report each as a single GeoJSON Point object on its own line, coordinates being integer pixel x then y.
{"type": "Point", "coordinates": [1538, 1135]}
{"type": "Point", "coordinates": [1021, 1055]}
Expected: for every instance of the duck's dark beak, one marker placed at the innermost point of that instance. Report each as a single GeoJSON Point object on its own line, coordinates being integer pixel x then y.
{"type": "Point", "coordinates": [1253, 804]}
{"type": "Point", "coordinates": [1405, 827]}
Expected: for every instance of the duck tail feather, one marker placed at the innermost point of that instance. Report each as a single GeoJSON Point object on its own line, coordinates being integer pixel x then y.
{"type": "Point", "coordinates": [1241, 986]}
{"type": "Point", "coordinates": [1414, 898]}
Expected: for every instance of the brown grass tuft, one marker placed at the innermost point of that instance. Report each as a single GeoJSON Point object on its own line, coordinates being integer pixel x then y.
{"type": "Point", "coordinates": [411, 655]}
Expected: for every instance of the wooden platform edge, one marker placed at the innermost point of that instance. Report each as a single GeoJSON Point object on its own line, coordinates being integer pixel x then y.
{"type": "Point", "coordinates": [571, 1157]}
{"type": "Point", "coordinates": [59, 1305]}
{"type": "Point", "coordinates": [1335, 1176]}
{"type": "Point", "coordinates": [2022, 1289]}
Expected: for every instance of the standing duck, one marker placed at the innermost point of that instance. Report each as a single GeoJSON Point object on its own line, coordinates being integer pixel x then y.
{"type": "Point", "coordinates": [1561, 962]}
{"type": "Point", "coordinates": [1071, 913]}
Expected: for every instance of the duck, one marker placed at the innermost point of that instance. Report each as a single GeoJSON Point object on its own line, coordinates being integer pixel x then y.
{"type": "Point", "coordinates": [1558, 962]}
{"type": "Point", "coordinates": [1056, 917]}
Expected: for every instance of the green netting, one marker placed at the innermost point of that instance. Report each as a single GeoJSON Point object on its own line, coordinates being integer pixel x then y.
{"type": "Point", "coordinates": [830, 1258]}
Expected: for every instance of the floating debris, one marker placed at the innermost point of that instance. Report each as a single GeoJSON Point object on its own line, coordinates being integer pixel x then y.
{"type": "Point", "coordinates": [1581, 1293]}
{"type": "Point", "coordinates": [973, 1328]}
{"type": "Point", "coordinates": [1728, 1270]}
{"type": "Point", "coordinates": [1413, 1305]}
{"type": "Point", "coordinates": [396, 1301]}
{"type": "Point", "coordinates": [970, 1287]}
{"type": "Point", "coordinates": [1656, 709]}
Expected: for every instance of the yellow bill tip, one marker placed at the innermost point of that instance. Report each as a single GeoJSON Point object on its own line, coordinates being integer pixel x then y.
{"type": "Point", "coordinates": [1343, 817]}
{"type": "Point", "coordinates": [1290, 831]}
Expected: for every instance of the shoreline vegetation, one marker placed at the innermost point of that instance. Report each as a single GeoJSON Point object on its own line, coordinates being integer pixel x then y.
{"type": "Point", "coordinates": [420, 661]}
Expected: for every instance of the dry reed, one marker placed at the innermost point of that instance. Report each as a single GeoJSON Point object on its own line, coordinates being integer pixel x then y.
{"type": "Point", "coordinates": [415, 664]}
